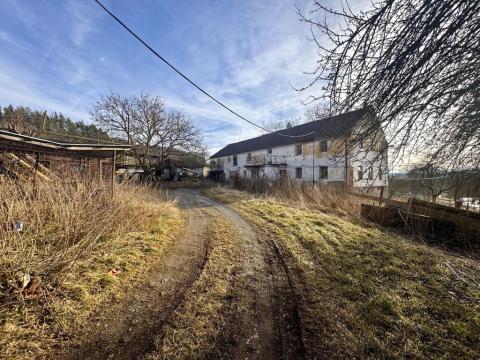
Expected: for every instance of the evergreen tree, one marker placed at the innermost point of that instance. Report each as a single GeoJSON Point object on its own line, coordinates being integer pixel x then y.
{"type": "Point", "coordinates": [31, 122]}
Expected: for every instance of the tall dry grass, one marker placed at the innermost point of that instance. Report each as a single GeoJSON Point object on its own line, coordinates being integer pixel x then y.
{"type": "Point", "coordinates": [62, 223]}
{"type": "Point", "coordinates": [328, 198]}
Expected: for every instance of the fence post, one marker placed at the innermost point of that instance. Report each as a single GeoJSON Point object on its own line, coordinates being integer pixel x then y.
{"type": "Point", "coordinates": [313, 161]}
{"type": "Point", "coordinates": [114, 158]}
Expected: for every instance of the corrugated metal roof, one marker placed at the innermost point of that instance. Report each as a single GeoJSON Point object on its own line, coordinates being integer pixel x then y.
{"type": "Point", "coordinates": [324, 128]}
{"type": "Point", "coordinates": [13, 141]}
{"type": "Point", "coordinates": [12, 136]}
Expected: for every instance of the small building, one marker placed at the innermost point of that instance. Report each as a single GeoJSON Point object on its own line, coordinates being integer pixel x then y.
{"type": "Point", "coordinates": [177, 166]}
{"type": "Point", "coordinates": [26, 157]}
{"type": "Point", "coordinates": [183, 165]}
{"type": "Point", "coordinates": [314, 151]}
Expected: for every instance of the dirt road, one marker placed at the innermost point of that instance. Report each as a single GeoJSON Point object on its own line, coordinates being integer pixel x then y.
{"type": "Point", "coordinates": [267, 327]}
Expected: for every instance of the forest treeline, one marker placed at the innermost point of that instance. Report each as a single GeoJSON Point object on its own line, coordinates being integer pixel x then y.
{"type": "Point", "coordinates": [54, 126]}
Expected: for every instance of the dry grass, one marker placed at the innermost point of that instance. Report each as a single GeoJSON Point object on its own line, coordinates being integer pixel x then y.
{"type": "Point", "coordinates": [365, 293]}
{"type": "Point", "coordinates": [200, 323]}
{"type": "Point", "coordinates": [331, 199]}
{"type": "Point", "coordinates": [62, 223]}
{"type": "Point", "coordinates": [82, 246]}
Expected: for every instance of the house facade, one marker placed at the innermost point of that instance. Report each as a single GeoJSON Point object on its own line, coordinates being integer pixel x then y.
{"type": "Point", "coordinates": [315, 151]}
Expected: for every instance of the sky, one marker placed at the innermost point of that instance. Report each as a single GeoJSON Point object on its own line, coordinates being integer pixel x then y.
{"type": "Point", "coordinates": [62, 55]}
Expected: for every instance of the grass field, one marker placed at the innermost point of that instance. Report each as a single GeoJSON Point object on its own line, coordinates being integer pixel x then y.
{"type": "Point", "coordinates": [366, 293]}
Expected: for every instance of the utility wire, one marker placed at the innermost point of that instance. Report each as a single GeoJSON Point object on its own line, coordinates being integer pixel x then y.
{"type": "Point", "coordinates": [188, 79]}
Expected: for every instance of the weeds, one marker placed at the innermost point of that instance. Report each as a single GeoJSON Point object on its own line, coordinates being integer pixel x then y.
{"type": "Point", "coordinates": [82, 245]}
{"type": "Point", "coordinates": [61, 224]}
{"type": "Point", "coordinates": [328, 198]}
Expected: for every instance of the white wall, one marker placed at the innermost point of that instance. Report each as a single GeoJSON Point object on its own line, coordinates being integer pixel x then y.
{"type": "Point", "coordinates": [336, 165]}
{"type": "Point", "coordinates": [365, 160]}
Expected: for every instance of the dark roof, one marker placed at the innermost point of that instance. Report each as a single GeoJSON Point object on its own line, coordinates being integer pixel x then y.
{"type": "Point", "coordinates": [324, 128]}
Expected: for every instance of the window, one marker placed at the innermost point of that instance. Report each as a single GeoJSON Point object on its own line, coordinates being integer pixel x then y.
{"type": "Point", "coordinates": [370, 173]}
{"type": "Point", "coordinates": [269, 151]}
{"type": "Point", "coordinates": [323, 172]}
{"type": "Point", "coordinates": [235, 160]}
{"type": "Point", "coordinates": [324, 146]}
{"type": "Point", "coordinates": [249, 157]}
{"type": "Point", "coordinates": [360, 173]}
{"type": "Point", "coordinates": [298, 149]}
{"type": "Point", "coordinates": [298, 173]}
{"type": "Point", "coordinates": [380, 174]}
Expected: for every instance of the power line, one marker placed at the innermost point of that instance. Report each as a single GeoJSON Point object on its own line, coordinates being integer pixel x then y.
{"type": "Point", "coordinates": [187, 78]}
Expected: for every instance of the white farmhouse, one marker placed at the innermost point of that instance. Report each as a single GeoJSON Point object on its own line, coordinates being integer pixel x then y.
{"type": "Point", "coordinates": [314, 151]}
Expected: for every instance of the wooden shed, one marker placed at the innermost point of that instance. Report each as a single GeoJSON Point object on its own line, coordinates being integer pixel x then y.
{"type": "Point", "coordinates": [26, 157]}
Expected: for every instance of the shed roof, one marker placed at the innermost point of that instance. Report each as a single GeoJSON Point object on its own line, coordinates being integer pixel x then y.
{"type": "Point", "coordinates": [15, 141]}
{"type": "Point", "coordinates": [328, 127]}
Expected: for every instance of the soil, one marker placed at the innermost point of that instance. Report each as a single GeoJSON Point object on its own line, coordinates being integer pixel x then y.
{"type": "Point", "coordinates": [266, 326]}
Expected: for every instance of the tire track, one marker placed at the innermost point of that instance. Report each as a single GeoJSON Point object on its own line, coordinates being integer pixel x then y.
{"type": "Point", "coordinates": [128, 331]}
{"type": "Point", "coordinates": [265, 323]}
{"type": "Point", "coordinates": [271, 287]}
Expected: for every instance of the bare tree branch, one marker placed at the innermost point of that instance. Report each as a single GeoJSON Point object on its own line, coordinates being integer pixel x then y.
{"type": "Point", "coordinates": [416, 63]}
{"type": "Point", "coordinates": [154, 132]}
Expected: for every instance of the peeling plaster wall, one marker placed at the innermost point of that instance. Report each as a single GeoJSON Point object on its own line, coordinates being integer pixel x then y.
{"type": "Point", "coordinates": [333, 158]}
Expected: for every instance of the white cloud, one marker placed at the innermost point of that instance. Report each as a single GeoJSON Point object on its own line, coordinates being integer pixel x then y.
{"type": "Point", "coordinates": [81, 20]}
{"type": "Point", "coordinates": [25, 89]}
{"type": "Point", "coordinates": [247, 63]}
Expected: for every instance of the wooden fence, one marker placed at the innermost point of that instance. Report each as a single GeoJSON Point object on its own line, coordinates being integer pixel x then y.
{"type": "Point", "coordinates": [448, 224]}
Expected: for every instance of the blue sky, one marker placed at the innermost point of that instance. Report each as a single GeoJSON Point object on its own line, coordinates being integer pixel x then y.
{"type": "Point", "coordinates": [62, 55]}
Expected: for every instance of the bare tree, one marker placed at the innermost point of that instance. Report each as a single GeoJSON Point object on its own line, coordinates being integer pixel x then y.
{"type": "Point", "coordinates": [114, 113]}
{"type": "Point", "coordinates": [317, 111]}
{"type": "Point", "coordinates": [153, 131]}
{"type": "Point", "coordinates": [179, 133]}
{"type": "Point", "coordinates": [415, 62]}
{"type": "Point", "coordinates": [434, 180]}
{"type": "Point", "coordinates": [281, 123]}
